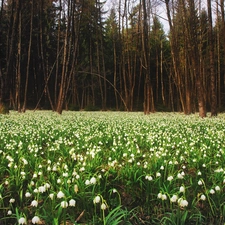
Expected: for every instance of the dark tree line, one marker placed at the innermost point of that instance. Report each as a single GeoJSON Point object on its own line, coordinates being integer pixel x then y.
{"type": "Point", "coordinates": [73, 54]}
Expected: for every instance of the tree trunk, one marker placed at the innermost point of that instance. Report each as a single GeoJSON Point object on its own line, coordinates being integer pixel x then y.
{"type": "Point", "coordinates": [211, 56]}
{"type": "Point", "coordinates": [28, 59]}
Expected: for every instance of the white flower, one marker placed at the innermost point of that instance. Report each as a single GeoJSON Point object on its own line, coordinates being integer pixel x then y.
{"type": "Point", "coordinates": [97, 199]}
{"type": "Point", "coordinates": [159, 195]}
{"type": "Point", "coordinates": [164, 197]}
{"type": "Point", "coordinates": [65, 174]}
{"type": "Point", "coordinates": [87, 182]}
{"type": "Point", "coordinates": [34, 203]}
{"type": "Point", "coordinates": [174, 198]}
{"type": "Point", "coordinates": [12, 200]}
{"type": "Point", "coordinates": [180, 176]}
{"type": "Point", "coordinates": [22, 173]}
{"type": "Point", "coordinates": [217, 188]}
{"type": "Point", "coordinates": [28, 194]}
{"type": "Point", "coordinates": [42, 189]}
{"type": "Point", "coordinates": [182, 189]}
{"type": "Point", "coordinates": [200, 182]}
{"type": "Point", "coordinates": [158, 174]}
{"type": "Point", "coordinates": [22, 221]}
{"type": "Point", "coordinates": [36, 220]}
{"type": "Point", "coordinates": [212, 191]}
{"type": "Point", "coordinates": [60, 194]}
{"type": "Point", "coordinates": [147, 177]}
{"type": "Point", "coordinates": [72, 202]}
{"type": "Point", "coordinates": [9, 213]}
{"type": "Point", "coordinates": [170, 178]}
{"type": "Point", "coordinates": [103, 206]}
{"type": "Point", "coordinates": [93, 180]}
{"type": "Point", "coordinates": [182, 202]}
{"type": "Point", "coordinates": [203, 197]}
{"type": "Point", "coordinates": [51, 196]}
{"type": "Point", "coordinates": [64, 204]}
{"type": "Point", "coordinates": [58, 181]}
{"type": "Point", "coordinates": [47, 185]}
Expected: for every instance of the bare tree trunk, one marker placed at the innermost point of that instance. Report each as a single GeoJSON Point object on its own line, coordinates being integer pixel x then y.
{"type": "Point", "coordinates": [58, 52]}
{"type": "Point", "coordinates": [28, 58]}
{"type": "Point", "coordinates": [66, 53]}
{"type": "Point", "coordinates": [18, 68]}
{"type": "Point", "coordinates": [212, 72]}
{"type": "Point", "coordinates": [148, 93]}
{"type": "Point", "coordinates": [175, 56]}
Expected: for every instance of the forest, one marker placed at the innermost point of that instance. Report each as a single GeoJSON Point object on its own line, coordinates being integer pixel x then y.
{"type": "Point", "coordinates": [76, 55]}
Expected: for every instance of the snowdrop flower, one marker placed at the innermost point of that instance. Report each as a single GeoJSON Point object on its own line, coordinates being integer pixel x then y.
{"type": "Point", "coordinates": [147, 177]}
{"type": "Point", "coordinates": [158, 174]}
{"type": "Point", "coordinates": [159, 195]}
{"type": "Point", "coordinates": [27, 194]}
{"type": "Point", "coordinates": [199, 173]}
{"type": "Point", "coordinates": [114, 190]}
{"type": "Point", "coordinates": [212, 191]}
{"type": "Point", "coordinates": [180, 176]}
{"type": "Point", "coordinates": [93, 180]}
{"type": "Point", "coordinates": [170, 178]}
{"type": "Point", "coordinates": [103, 206]}
{"type": "Point", "coordinates": [182, 189]}
{"type": "Point", "coordinates": [164, 197]}
{"type": "Point", "coordinates": [72, 202]}
{"type": "Point", "coordinates": [35, 220]}
{"type": "Point", "coordinates": [34, 203]}
{"type": "Point", "coordinates": [174, 198]}
{"type": "Point", "coordinates": [22, 173]}
{"type": "Point", "coordinates": [203, 197]}
{"type": "Point", "coordinates": [64, 204]}
{"type": "Point", "coordinates": [58, 181]}
{"type": "Point", "coordinates": [22, 221]}
{"type": "Point", "coordinates": [9, 213]}
{"type": "Point", "coordinates": [65, 174]}
{"type": "Point", "coordinates": [12, 200]}
{"type": "Point", "coordinates": [199, 182]}
{"type": "Point", "coordinates": [42, 189]}
{"type": "Point", "coordinates": [217, 188]}
{"type": "Point", "coordinates": [162, 168]}
{"type": "Point", "coordinates": [87, 182]}
{"type": "Point", "coordinates": [182, 202]}
{"type": "Point", "coordinates": [51, 196]}
{"type": "Point", "coordinates": [47, 185]}
{"type": "Point", "coordinates": [60, 194]}
{"type": "Point", "coordinates": [97, 199]}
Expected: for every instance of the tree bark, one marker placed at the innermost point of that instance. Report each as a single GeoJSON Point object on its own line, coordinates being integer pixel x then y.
{"type": "Point", "coordinates": [211, 56]}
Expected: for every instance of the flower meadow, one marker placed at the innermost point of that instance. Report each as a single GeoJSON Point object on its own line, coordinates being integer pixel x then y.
{"type": "Point", "coordinates": [111, 168]}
